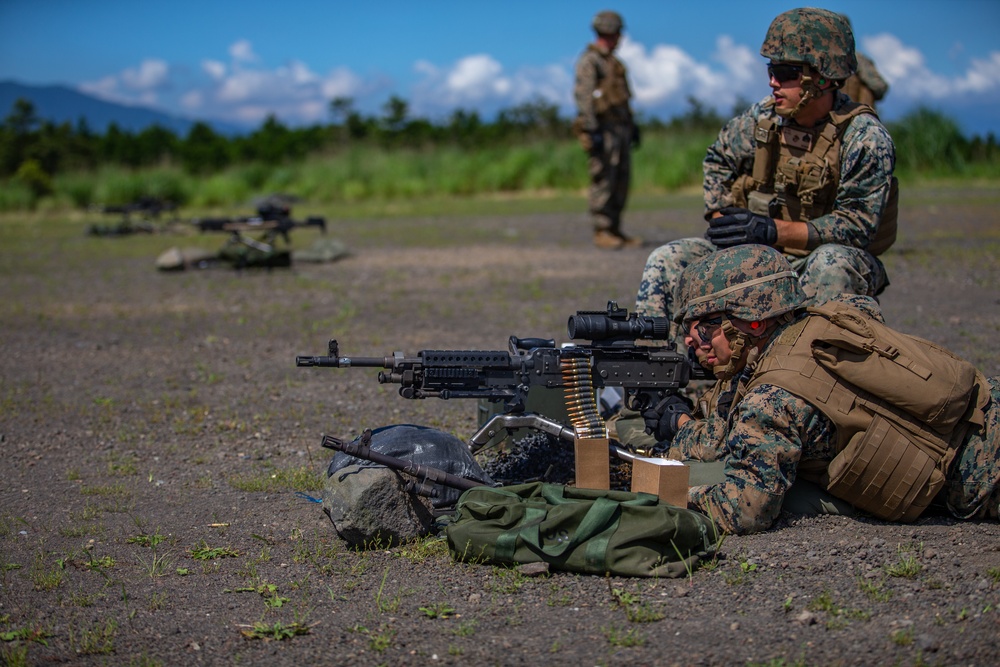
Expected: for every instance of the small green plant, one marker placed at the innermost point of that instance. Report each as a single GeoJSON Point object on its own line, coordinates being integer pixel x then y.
{"type": "Point", "coordinates": [37, 635]}
{"type": "Point", "coordinates": [907, 567]}
{"type": "Point", "coordinates": [96, 640]}
{"type": "Point", "coordinates": [994, 575]}
{"type": "Point", "coordinates": [277, 631]}
{"type": "Point", "coordinates": [636, 611]}
{"type": "Point", "coordinates": [144, 540]}
{"type": "Point", "coordinates": [279, 479]}
{"type": "Point", "coordinates": [385, 605]}
{"type": "Point", "coordinates": [465, 629]}
{"type": "Point", "coordinates": [205, 552]}
{"type": "Point", "coordinates": [157, 565]}
{"type": "Point", "coordinates": [183, 572]}
{"type": "Point", "coordinates": [623, 638]}
{"type": "Point", "coordinates": [506, 579]}
{"type": "Point", "coordinates": [42, 577]}
{"type": "Point", "coordinates": [438, 610]}
{"type": "Point", "coordinates": [874, 590]}
{"type": "Point", "coordinates": [902, 637]}
{"type": "Point", "coordinates": [420, 550]}
{"type": "Point", "coordinates": [381, 640]}
{"type": "Point", "coordinates": [99, 563]}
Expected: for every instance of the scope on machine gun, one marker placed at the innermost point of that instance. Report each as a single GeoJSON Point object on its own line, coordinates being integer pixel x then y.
{"type": "Point", "coordinates": [616, 325]}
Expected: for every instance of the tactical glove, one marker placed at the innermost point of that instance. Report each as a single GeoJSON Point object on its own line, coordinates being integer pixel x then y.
{"type": "Point", "coordinates": [737, 226]}
{"type": "Point", "coordinates": [661, 420]}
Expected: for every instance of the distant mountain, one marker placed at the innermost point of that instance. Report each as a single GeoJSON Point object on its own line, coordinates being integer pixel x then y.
{"type": "Point", "coordinates": [61, 104]}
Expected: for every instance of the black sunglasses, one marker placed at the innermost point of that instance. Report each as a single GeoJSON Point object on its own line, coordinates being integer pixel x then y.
{"type": "Point", "coordinates": [783, 73]}
{"type": "Point", "coordinates": [706, 329]}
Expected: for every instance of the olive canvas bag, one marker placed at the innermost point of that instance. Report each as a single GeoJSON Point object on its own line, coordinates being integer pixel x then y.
{"type": "Point", "coordinates": [579, 530]}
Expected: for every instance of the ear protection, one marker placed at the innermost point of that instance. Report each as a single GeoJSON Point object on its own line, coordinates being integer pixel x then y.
{"type": "Point", "coordinates": [822, 82]}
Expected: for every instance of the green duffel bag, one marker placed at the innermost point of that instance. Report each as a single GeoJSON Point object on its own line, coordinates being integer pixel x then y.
{"type": "Point", "coordinates": [579, 530]}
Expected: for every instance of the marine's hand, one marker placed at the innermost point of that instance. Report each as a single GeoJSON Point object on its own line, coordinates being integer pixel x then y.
{"type": "Point", "coordinates": [662, 420]}
{"type": "Point", "coordinates": [737, 226]}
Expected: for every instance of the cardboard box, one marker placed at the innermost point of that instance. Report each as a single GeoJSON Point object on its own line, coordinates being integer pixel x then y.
{"type": "Point", "coordinates": [665, 478]}
{"type": "Point", "coordinates": [593, 463]}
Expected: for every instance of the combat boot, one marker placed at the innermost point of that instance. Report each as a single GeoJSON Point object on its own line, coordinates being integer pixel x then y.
{"type": "Point", "coordinates": [630, 241]}
{"type": "Point", "coordinates": [608, 240]}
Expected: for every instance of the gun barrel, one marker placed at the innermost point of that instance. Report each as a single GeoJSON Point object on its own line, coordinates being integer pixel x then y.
{"type": "Point", "coordinates": [345, 362]}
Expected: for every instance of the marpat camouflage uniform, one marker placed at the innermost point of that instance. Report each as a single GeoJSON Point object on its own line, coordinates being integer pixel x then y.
{"type": "Point", "coordinates": [866, 86]}
{"type": "Point", "coordinates": [602, 99]}
{"type": "Point", "coordinates": [768, 433]}
{"type": "Point", "coordinates": [840, 264]}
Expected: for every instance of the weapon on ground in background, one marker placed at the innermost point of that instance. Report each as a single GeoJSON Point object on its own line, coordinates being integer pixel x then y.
{"type": "Point", "coordinates": [149, 208]}
{"type": "Point", "coordinates": [253, 240]}
{"type": "Point", "coordinates": [645, 373]}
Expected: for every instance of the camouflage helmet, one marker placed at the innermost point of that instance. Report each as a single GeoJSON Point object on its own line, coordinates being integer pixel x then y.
{"type": "Point", "coordinates": [608, 23]}
{"type": "Point", "coordinates": [822, 39]}
{"type": "Point", "coordinates": [750, 282]}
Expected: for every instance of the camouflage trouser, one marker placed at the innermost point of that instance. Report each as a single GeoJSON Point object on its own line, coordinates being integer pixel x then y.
{"type": "Point", "coordinates": [802, 497]}
{"type": "Point", "coordinates": [972, 489]}
{"type": "Point", "coordinates": [828, 271]}
{"type": "Point", "coordinates": [610, 173]}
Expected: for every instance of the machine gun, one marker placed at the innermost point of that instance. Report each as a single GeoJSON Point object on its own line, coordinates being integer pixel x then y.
{"type": "Point", "coordinates": [646, 374]}
{"type": "Point", "coordinates": [149, 208]}
{"type": "Point", "coordinates": [273, 221]}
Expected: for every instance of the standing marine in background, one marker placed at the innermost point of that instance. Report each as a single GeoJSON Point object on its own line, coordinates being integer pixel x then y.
{"type": "Point", "coordinates": [866, 86]}
{"type": "Point", "coordinates": [806, 171]}
{"type": "Point", "coordinates": [606, 130]}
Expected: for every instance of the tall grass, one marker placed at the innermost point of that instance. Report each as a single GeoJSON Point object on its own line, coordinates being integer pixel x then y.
{"type": "Point", "coordinates": [360, 173]}
{"type": "Point", "coordinates": [928, 145]}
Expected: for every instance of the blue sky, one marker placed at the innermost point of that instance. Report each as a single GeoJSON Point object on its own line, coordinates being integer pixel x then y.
{"type": "Point", "coordinates": [242, 60]}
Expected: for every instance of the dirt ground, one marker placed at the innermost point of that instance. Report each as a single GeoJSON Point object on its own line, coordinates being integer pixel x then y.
{"type": "Point", "coordinates": [156, 432]}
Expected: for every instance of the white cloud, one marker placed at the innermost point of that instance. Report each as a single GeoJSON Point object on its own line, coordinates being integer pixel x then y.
{"type": "Point", "coordinates": [133, 85]}
{"type": "Point", "coordinates": [906, 70]}
{"type": "Point", "coordinates": [214, 68]}
{"type": "Point", "coordinates": [476, 77]}
{"type": "Point", "coordinates": [149, 75]}
{"type": "Point", "coordinates": [664, 77]}
{"type": "Point", "coordinates": [242, 51]}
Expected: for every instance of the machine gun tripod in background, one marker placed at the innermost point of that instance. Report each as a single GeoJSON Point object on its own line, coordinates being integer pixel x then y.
{"type": "Point", "coordinates": [258, 241]}
{"type": "Point", "coordinates": [148, 209]}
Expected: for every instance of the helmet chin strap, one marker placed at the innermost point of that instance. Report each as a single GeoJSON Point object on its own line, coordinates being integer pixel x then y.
{"type": "Point", "coordinates": [739, 343]}
{"type": "Point", "coordinates": [810, 91]}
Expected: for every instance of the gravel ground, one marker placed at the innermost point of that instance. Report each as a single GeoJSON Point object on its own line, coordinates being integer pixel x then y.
{"type": "Point", "coordinates": [156, 432]}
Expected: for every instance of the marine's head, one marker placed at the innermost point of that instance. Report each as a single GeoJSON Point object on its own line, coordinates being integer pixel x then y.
{"type": "Point", "coordinates": [815, 46]}
{"type": "Point", "coordinates": [608, 23]}
{"type": "Point", "coordinates": [743, 292]}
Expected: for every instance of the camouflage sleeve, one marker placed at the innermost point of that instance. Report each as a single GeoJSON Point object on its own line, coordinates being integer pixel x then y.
{"type": "Point", "coordinates": [583, 90]}
{"type": "Point", "coordinates": [868, 159]}
{"type": "Point", "coordinates": [701, 438]}
{"type": "Point", "coordinates": [768, 432]}
{"type": "Point", "coordinates": [730, 156]}
{"type": "Point", "coordinates": [865, 304]}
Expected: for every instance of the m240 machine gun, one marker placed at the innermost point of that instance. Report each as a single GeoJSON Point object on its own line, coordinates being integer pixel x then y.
{"type": "Point", "coordinates": [273, 222]}
{"type": "Point", "coordinates": [148, 210]}
{"type": "Point", "coordinates": [646, 374]}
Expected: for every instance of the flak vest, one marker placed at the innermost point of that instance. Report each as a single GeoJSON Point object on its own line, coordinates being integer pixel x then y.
{"type": "Point", "coordinates": [901, 406]}
{"type": "Point", "coordinates": [796, 173]}
{"type": "Point", "coordinates": [611, 97]}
